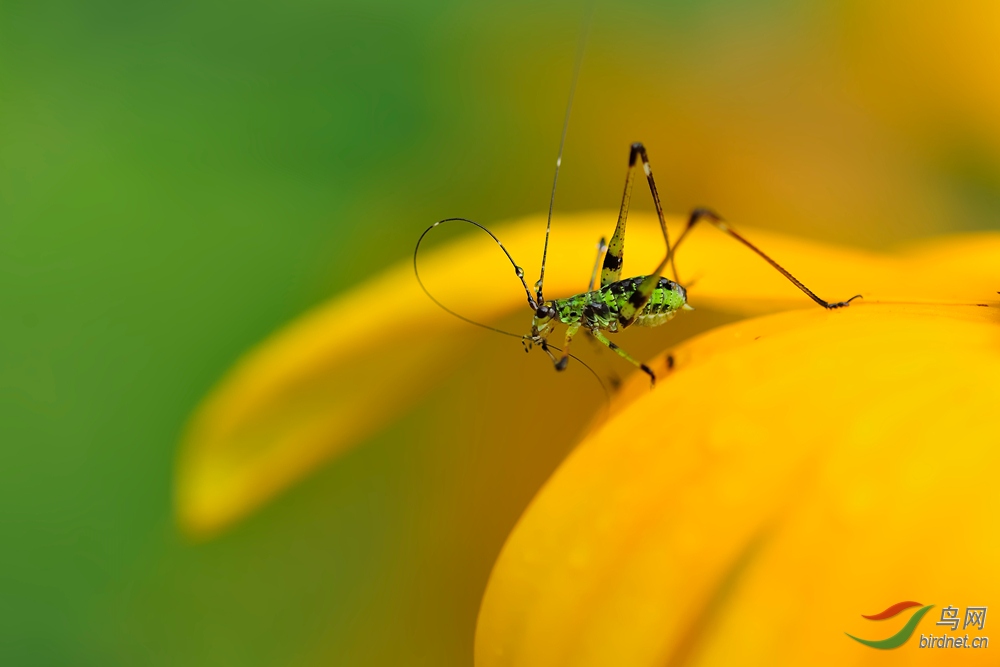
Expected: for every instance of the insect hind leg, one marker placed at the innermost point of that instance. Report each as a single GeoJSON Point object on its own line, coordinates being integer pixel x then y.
{"type": "Point", "coordinates": [707, 214]}
{"type": "Point", "coordinates": [612, 270]}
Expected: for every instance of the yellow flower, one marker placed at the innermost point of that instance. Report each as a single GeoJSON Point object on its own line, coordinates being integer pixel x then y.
{"type": "Point", "coordinates": [794, 470]}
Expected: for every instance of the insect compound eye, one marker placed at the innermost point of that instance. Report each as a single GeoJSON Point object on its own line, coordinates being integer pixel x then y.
{"type": "Point", "coordinates": [543, 312]}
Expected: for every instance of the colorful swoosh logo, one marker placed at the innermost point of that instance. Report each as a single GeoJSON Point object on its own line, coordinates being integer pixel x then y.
{"type": "Point", "coordinates": [891, 611]}
{"type": "Point", "coordinates": [904, 634]}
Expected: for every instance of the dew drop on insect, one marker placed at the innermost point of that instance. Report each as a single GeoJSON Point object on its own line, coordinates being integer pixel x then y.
{"type": "Point", "coordinates": [519, 271]}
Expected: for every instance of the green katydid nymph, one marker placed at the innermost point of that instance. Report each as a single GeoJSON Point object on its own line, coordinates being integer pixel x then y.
{"type": "Point", "coordinates": [647, 300]}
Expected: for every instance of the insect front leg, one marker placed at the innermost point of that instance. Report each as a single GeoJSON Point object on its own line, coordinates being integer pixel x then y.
{"type": "Point", "coordinates": [570, 332]}
{"type": "Point", "coordinates": [624, 355]}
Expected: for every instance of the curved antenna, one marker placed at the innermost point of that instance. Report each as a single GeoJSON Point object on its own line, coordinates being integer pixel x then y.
{"type": "Point", "coordinates": [520, 274]}
{"type": "Point", "coordinates": [562, 142]}
{"type": "Point", "coordinates": [518, 271]}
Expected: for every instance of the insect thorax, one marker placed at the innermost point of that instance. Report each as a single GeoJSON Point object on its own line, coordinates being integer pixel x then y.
{"type": "Point", "coordinates": [602, 308]}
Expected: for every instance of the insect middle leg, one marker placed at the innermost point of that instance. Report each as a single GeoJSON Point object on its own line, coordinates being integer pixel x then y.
{"type": "Point", "coordinates": [596, 333]}
{"type": "Point", "coordinates": [602, 245]}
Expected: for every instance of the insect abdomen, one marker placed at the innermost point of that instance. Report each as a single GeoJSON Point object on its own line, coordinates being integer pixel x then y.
{"type": "Point", "coordinates": [667, 298]}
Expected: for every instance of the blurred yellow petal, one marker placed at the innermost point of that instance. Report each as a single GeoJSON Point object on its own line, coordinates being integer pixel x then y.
{"type": "Point", "coordinates": [346, 369]}
{"type": "Point", "coordinates": [968, 262]}
{"type": "Point", "coordinates": [794, 472]}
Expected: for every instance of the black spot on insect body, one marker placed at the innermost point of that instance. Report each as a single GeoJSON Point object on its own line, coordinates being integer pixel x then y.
{"type": "Point", "coordinates": [666, 284]}
{"type": "Point", "coordinates": [612, 262]}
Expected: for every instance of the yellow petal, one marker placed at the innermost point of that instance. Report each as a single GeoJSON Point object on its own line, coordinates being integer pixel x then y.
{"type": "Point", "coordinates": [341, 372]}
{"type": "Point", "coordinates": [794, 472]}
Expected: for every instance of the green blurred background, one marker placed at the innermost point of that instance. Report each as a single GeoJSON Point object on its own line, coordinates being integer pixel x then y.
{"type": "Point", "coordinates": [177, 180]}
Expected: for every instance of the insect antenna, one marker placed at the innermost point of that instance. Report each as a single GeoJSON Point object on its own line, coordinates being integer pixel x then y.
{"type": "Point", "coordinates": [562, 142]}
{"type": "Point", "coordinates": [518, 271]}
